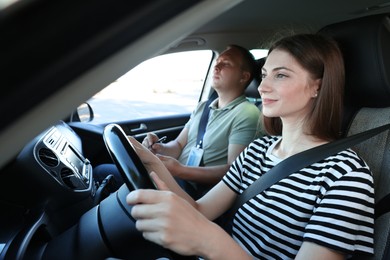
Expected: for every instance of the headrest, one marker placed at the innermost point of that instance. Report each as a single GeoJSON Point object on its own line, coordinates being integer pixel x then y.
{"type": "Point", "coordinates": [365, 43]}
{"type": "Point", "coordinates": [251, 91]}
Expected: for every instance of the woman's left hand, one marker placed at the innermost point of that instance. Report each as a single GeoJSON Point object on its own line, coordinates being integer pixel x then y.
{"type": "Point", "coordinates": [173, 165]}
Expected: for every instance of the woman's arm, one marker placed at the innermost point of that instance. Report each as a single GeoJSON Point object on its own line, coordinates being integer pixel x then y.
{"type": "Point", "coordinates": [313, 251]}
{"type": "Point", "coordinates": [212, 205]}
{"type": "Point", "coordinates": [209, 175]}
{"type": "Point", "coordinates": [170, 221]}
{"type": "Point", "coordinates": [153, 164]}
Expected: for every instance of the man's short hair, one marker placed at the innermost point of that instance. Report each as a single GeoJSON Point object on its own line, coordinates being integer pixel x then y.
{"type": "Point", "coordinates": [248, 61]}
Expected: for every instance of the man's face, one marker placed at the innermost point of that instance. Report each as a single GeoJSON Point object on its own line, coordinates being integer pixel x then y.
{"type": "Point", "coordinates": [227, 70]}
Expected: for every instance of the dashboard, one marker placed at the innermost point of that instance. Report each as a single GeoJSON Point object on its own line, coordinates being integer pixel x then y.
{"type": "Point", "coordinates": [62, 159]}
{"type": "Point", "coordinates": [59, 182]}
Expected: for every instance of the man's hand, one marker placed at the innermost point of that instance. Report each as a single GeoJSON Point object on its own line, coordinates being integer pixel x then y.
{"type": "Point", "coordinates": [153, 142]}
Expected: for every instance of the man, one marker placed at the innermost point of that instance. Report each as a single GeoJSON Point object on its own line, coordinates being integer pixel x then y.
{"type": "Point", "coordinates": [199, 162]}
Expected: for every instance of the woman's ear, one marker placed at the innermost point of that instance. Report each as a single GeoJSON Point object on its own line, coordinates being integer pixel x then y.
{"type": "Point", "coordinates": [316, 87]}
{"type": "Point", "coordinates": [318, 83]}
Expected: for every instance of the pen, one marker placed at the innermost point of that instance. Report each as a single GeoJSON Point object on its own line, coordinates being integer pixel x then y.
{"type": "Point", "coordinates": [162, 139]}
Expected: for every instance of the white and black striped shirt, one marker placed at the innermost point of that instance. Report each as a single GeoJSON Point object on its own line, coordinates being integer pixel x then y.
{"type": "Point", "coordinates": [330, 203]}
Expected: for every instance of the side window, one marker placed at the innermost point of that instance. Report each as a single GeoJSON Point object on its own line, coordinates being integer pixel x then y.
{"type": "Point", "coordinates": [254, 97]}
{"type": "Point", "coordinates": [165, 85]}
{"type": "Point", "coordinates": [259, 53]}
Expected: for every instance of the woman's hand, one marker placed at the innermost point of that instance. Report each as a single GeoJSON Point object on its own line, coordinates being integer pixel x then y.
{"type": "Point", "coordinates": [172, 222]}
{"type": "Point", "coordinates": [173, 165]}
{"type": "Point", "coordinates": [154, 164]}
{"type": "Point", "coordinates": [146, 156]}
{"type": "Point", "coordinates": [168, 220]}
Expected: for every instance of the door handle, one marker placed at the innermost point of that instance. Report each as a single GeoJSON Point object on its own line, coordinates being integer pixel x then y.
{"type": "Point", "coordinates": [141, 127]}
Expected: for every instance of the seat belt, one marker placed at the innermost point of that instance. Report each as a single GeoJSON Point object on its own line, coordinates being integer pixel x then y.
{"type": "Point", "coordinates": [297, 162]}
{"type": "Point", "coordinates": [382, 206]}
{"type": "Point", "coordinates": [204, 119]}
{"type": "Point", "coordinates": [187, 185]}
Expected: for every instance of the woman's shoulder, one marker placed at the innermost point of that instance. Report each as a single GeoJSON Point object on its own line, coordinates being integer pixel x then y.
{"type": "Point", "coordinates": [349, 155]}
{"type": "Point", "coordinates": [344, 163]}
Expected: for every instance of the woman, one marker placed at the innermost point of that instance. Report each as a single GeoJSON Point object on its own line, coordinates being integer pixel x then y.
{"type": "Point", "coordinates": [324, 211]}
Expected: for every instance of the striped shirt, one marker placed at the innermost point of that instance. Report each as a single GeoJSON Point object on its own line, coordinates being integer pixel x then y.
{"type": "Point", "coordinates": [330, 203]}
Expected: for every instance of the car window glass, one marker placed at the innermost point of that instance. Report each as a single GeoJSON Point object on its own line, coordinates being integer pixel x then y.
{"type": "Point", "coordinates": [259, 53]}
{"type": "Point", "coordinates": [165, 85]}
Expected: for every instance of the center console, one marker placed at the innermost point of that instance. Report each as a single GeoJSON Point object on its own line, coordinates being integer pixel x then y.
{"type": "Point", "coordinates": [62, 159]}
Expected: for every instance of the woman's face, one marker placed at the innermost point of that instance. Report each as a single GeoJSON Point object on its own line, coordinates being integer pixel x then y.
{"type": "Point", "coordinates": [286, 89]}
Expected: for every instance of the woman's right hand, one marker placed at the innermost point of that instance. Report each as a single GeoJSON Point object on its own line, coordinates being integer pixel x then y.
{"type": "Point", "coordinates": [147, 157]}
{"type": "Point", "coordinates": [153, 163]}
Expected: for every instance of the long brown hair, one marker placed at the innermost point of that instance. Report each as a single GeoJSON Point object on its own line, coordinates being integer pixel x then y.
{"type": "Point", "coordinates": [322, 58]}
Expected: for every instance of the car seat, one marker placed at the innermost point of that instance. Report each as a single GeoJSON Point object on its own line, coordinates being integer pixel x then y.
{"type": "Point", "coordinates": [365, 43]}
{"type": "Point", "coordinates": [251, 92]}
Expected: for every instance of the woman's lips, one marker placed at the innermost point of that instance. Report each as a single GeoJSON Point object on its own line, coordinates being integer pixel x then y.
{"type": "Point", "coordinates": [268, 101]}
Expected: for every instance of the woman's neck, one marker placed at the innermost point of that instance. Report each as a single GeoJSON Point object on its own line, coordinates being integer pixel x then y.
{"type": "Point", "coordinates": [294, 141]}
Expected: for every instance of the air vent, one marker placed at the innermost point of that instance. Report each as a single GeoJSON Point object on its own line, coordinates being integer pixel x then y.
{"type": "Point", "coordinates": [48, 157]}
{"type": "Point", "coordinates": [66, 172]}
{"type": "Point", "coordinates": [68, 178]}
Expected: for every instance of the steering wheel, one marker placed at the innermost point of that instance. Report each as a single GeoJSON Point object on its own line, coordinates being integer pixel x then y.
{"type": "Point", "coordinates": [135, 176]}
{"type": "Point", "coordinates": [122, 152]}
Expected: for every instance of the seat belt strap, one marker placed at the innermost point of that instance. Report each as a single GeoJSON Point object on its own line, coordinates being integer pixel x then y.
{"type": "Point", "coordinates": [204, 119]}
{"type": "Point", "coordinates": [301, 160]}
{"type": "Point", "coordinates": [382, 206]}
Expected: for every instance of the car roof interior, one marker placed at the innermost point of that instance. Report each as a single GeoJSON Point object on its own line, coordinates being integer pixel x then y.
{"type": "Point", "coordinates": [254, 26]}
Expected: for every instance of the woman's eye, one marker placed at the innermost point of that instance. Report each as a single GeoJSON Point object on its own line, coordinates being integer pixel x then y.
{"type": "Point", "coordinates": [263, 75]}
{"type": "Point", "coordinates": [280, 76]}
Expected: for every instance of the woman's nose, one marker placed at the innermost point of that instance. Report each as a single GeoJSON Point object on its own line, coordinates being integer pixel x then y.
{"type": "Point", "coordinates": [261, 88]}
